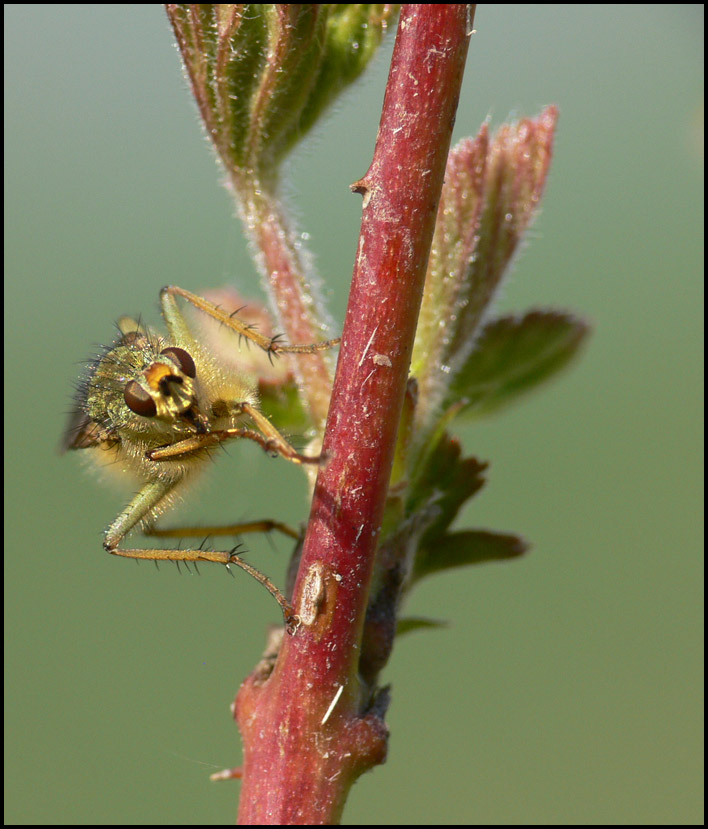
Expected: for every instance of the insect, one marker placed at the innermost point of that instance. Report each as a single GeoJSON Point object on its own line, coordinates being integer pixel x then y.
{"type": "Point", "coordinates": [153, 408]}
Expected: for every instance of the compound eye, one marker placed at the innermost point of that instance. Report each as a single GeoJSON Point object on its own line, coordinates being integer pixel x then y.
{"type": "Point", "coordinates": [138, 400]}
{"type": "Point", "coordinates": [183, 359]}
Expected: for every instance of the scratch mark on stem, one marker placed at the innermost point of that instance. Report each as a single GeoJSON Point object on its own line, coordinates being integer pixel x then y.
{"type": "Point", "coordinates": [368, 346]}
{"type": "Point", "coordinates": [332, 704]}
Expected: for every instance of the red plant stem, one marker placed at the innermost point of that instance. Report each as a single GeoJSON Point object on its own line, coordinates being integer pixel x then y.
{"type": "Point", "coordinates": [309, 727]}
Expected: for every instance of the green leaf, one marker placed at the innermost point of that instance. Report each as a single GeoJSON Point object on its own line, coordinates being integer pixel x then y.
{"type": "Point", "coordinates": [460, 549]}
{"type": "Point", "coordinates": [513, 355]}
{"type": "Point", "coordinates": [262, 74]}
{"type": "Point", "coordinates": [444, 483]}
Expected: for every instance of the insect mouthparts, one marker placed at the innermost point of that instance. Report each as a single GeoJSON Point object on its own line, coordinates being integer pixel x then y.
{"type": "Point", "coordinates": [164, 383]}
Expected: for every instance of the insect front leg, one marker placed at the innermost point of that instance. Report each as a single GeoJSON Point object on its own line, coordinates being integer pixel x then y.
{"type": "Point", "coordinates": [274, 439]}
{"type": "Point", "coordinates": [178, 327]}
{"type": "Point", "coordinates": [268, 438]}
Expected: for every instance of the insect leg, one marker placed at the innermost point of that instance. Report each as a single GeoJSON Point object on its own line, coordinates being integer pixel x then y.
{"type": "Point", "coordinates": [139, 508]}
{"type": "Point", "coordinates": [274, 439]}
{"type": "Point", "coordinates": [270, 441]}
{"type": "Point", "coordinates": [147, 500]}
{"type": "Point", "coordinates": [177, 324]}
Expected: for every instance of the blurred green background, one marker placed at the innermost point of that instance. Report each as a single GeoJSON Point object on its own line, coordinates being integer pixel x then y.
{"type": "Point", "coordinates": [568, 687]}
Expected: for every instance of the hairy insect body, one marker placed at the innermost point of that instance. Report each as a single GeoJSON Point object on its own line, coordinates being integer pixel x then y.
{"type": "Point", "coordinates": [148, 392]}
{"type": "Point", "coordinates": [153, 408]}
{"type": "Point", "coordinates": [141, 369]}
